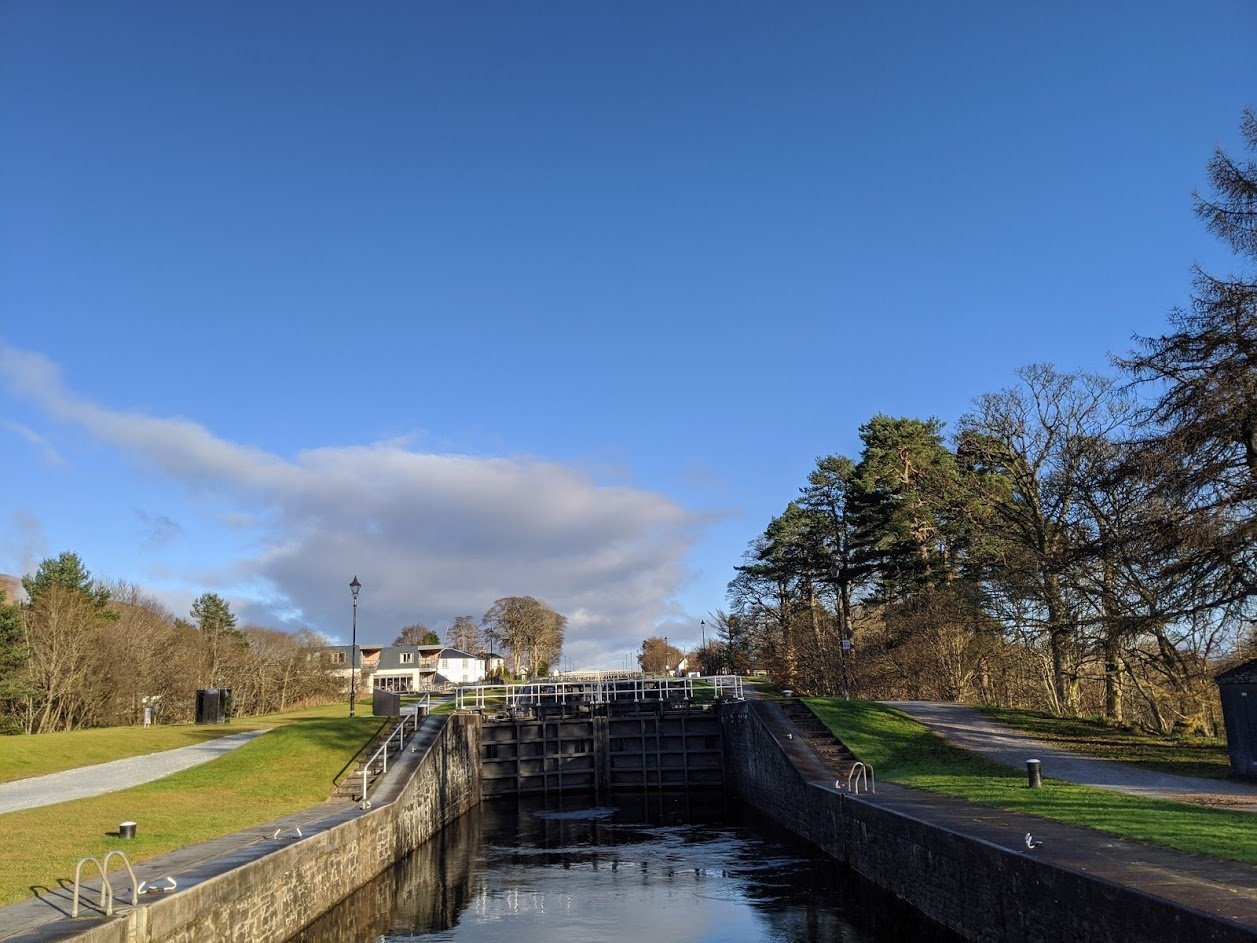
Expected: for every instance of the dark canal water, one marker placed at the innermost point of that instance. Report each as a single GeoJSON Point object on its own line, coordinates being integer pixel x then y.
{"type": "Point", "coordinates": [647, 869]}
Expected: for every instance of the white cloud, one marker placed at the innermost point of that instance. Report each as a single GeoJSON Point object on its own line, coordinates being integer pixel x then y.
{"type": "Point", "coordinates": [431, 536]}
{"type": "Point", "coordinates": [47, 454]}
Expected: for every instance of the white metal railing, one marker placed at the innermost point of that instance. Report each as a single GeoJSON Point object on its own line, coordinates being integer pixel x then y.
{"type": "Point", "coordinates": [106, 892]}
{"type": "Point", "coordinates": [481, 697]}
{"type": "Point", "coordinates": [860, 773]}
{"type": "Point", "coordinates": [106, 886]}
{"type": "Point", "coordinates": [728, 686]}
{"type": "Point", "coordinates": [380, 757]}
{"type": "Point", "coordinates": [532, 694]}
{"type": "Point", "coordinates": [126, 863]}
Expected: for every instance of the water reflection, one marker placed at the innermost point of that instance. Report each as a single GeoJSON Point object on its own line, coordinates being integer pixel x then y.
{"type": "Point", "coordinates": [655, 868]}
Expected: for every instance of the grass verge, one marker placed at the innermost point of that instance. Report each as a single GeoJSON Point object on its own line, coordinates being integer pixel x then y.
{"type": "Point", "coordinates": [285, 771]}
{"type": "Point", "coordinates": [903, 751]}
{"type": "Point", "coordinates": [1185, 756]}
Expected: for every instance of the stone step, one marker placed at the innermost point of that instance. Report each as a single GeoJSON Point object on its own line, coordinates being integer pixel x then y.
{"type": "Point", "coordinates": [832, 751]}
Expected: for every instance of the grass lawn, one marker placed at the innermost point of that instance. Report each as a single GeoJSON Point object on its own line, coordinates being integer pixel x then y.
{"type": "Point", "coordinates": [1186, 756]}
{"type": "Point", "coordinates": [903, 751]}
{"type": "Point", "coordinates": [23, 756]}
{"type": "Point", "coordinates": [287, 770]}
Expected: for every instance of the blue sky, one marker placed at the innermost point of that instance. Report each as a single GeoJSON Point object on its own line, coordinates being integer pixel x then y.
{"type": "Point", "coordinates": [561, 299]}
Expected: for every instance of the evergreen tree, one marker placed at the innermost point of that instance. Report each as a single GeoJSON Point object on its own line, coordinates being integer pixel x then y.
{"type": "Point", "coordinates": [214, 619]}
{"type": "Point", "coordinates": [1200, 440]}
{"type": "Point", "coordinates": [832, 496]}
{"type": "Point", "coordinates": [65, 570]}
{"type": "Point", "coordinates": [15, 652]}
{"type": "Point", "coordinates": [906, 507]}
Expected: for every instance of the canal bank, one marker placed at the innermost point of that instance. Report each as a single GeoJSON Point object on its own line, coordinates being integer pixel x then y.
{"type": "Point", "coordinates": [971, 868]}
{"type": "Point", "coordinates": [964, 866]}
{"type": "Point", "coordinates": [264, 885]}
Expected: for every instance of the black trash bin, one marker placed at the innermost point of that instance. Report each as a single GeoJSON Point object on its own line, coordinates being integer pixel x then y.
{"type": "Point", "coordinates": [213, 705]}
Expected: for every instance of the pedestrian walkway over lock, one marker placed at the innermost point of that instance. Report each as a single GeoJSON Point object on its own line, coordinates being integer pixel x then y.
{"type": "Point", "coordinates": [596, 694]}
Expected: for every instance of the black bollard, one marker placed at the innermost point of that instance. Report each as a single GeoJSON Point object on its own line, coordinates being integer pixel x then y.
{"type": "Point", "coordinates": [1034, 770]}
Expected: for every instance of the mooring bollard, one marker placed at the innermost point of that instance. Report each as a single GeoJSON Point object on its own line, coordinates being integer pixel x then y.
{"type": "Point", "coordinates": [1034, 770]}
{"type": "Point", "coordinates": [126, 830]}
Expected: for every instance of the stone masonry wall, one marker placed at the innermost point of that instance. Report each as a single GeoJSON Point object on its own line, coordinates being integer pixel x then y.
{"type": "Point", "coordinates": [270, 899]}
{"type": "Point", "coordinates": [983, 892]}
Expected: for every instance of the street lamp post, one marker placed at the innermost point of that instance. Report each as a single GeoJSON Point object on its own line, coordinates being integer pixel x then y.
{"type": "Point", "coordinates": [353, 649]}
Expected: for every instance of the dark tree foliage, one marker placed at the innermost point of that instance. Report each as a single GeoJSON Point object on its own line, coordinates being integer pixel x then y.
{"type": "Point", "coordinates": [908, 530]}
{"type": "Point", "coordinates": [1080, 550]}
{"type": "Point", "coordinates": [14, 654]}
{"type": "Point", "coordinates": [67, 571]}
{"type": "Point", "coordinates": [417, 634]}
{"type": "Point", "coordinates": [1200, 434]}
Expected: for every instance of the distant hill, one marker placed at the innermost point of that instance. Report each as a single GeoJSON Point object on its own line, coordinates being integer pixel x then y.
{"type": "Point", "coordinates": [12, 587]}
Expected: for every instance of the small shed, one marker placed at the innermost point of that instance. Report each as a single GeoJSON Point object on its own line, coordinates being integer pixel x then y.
{"type": "Point", "coordinates": [1238, 688]}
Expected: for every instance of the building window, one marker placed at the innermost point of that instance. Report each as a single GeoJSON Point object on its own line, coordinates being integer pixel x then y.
{"type": "Point", "coordinates": [338, 658]}
{"type": "Point", "coordinates": [408, 658]}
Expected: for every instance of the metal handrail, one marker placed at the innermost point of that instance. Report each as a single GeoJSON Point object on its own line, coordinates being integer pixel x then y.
{"type": "Point", "coordinates": [860, 772]}
{"type": "Point", "coordinates": [106, 891]}
{"type": "Point", "coordinates": [381, 755]}
{"type": "Point", "coordinates": [135, 885]}
{"type": "Point", "coordinates": [530, 694]}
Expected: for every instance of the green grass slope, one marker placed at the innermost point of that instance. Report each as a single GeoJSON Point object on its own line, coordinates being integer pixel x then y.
{"type": "Point", "coordinates": [903, 751]}
{"type": "Point", "coordinates": [288, 769]}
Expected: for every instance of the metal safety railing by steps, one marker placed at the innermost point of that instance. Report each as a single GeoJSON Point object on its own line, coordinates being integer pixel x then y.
{"type": "Point", "coordinates": [106, 886]}
{"type": "Point", "coordinates": [357, 786]}
{"type": "Point", "coordinates": [861, 774]}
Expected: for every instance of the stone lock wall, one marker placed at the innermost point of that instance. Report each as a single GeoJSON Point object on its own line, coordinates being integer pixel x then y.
{"type": "Point", "coordinates": [270, 899]}
{"type": "Point", "coordinates": [981, 891]}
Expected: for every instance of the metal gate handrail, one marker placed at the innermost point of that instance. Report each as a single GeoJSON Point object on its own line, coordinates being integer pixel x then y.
{"type": "Point", "coordinates": [517, 697]}
{"type": "Point", "coordinates": [380, 756]}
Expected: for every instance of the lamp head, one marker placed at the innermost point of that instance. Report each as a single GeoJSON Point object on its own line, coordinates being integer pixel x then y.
{"type": "Point", "coordinates": [355, 586]}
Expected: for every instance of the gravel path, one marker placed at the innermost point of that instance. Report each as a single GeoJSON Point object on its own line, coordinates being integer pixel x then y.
{"type": "Point", "coordinates": [969, 729]}
{"type": "Point", "coordinates": [110, 777]}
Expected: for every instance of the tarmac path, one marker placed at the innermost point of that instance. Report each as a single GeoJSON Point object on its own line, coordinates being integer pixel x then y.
{"type": "Point", "coordinates": [36, 791]}
{"type": "Point", "coordinates": [969, 729]}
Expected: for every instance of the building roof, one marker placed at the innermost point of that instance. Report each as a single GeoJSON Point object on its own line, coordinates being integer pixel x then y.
{"type": "Point", "coordinates": [1243, 673]}
{"type": "Point", "coordinates": [455, 653]}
